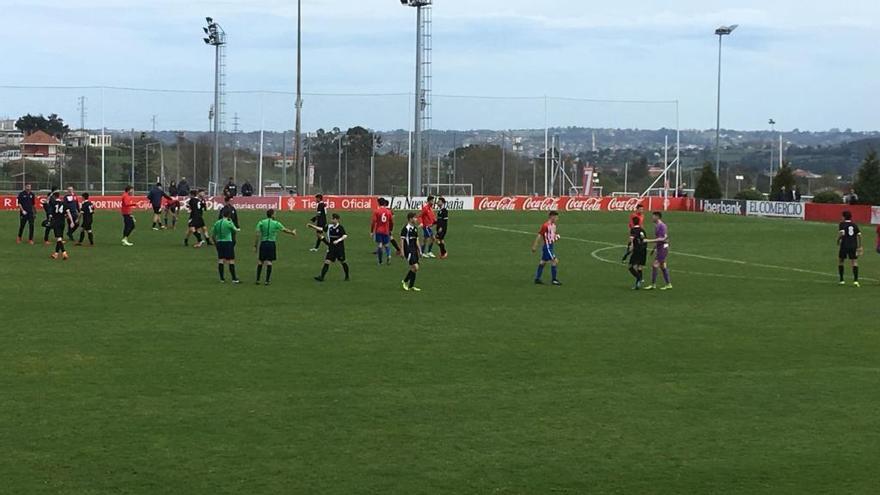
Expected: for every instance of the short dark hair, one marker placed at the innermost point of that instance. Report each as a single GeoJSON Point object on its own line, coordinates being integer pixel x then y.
{"type": "Point", "coordinates": [56, 194]}
{"type": "Point", "coordinates": [127, 188]}
{"type": "Point", "coordinates": [553, 213]}
{"type": "Point", "coordinates": [193, 192]}
{"type": "Point", "coordinates": [441, 199]}
{"type": "Point", "coordinates": [639, 206]}
{"type": "Point", "coordinates": [335, 216]}
{"type": "Point", "coordinates": [85, 195]}
{"type": "Point", "coordinates": [319, 197]}
{"type": "Point", "coordinates": [270, 213]}
{"type": "Point", "coordinates": [226, 213]}
{"type": "Point", "coordinates": [847, 215]}
{"type": "Point", "coordinates": [636, 221]}
{"type": "Point", "coordinates": [410, 216]}
{"type": "Point", "coordinates": [430, 198]}
{"type": "Point", "coordinates": [658, 214]}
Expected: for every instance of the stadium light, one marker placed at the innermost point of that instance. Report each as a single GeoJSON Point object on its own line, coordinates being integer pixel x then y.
{"type": "Point", "coordinates": [216, 38]}
{"type": "Point", "coordinates": [415, 170]}
{"type": "Point", "coordinates": [721, 32]}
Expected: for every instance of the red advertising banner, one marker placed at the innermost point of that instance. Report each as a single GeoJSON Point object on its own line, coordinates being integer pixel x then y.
{"type": "Point", "coordinates": [818, 212]}
{"type": "Point", "coordinates": [579, 203]}
{"type": "Point", "coordinates": [343, 203]}
{"type": "Point", "coordinates": [141, 203]}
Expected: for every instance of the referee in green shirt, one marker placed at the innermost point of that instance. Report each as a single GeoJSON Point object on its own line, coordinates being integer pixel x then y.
{"type": "Point", "coordinates": [223, 232]}
{"type": "Point", "coordinates": [267, 234]}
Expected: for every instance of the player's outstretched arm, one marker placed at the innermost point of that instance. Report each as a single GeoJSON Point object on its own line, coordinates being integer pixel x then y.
{"type": "Point", "coordinates": [535, 244]}
{"type": "Point", "coordinates": [290, 232]}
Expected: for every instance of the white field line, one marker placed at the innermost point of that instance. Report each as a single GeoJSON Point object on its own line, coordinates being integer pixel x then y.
{"type": "Point", "coordinates": [676, 253]}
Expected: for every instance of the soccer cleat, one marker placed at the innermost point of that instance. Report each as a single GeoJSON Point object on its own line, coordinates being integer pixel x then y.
{"type": "Point", "coordinates": [444, 256]}
{"type": "Point", "coordinates": [649, 287]}
{"type": "Point", "coordinates": [65, 256]}
{"type": "Point", "coordinates": [46, 243]}
{"type": "Point", "coordinates": [54, 256]}
{"type": "Point", "coordinates": [557, 283]}
{"type": "Point", "coordinates": [841, 283]}
{"type": "Point", "coordinates": [388, 261]}
{"type": "Point", "coordinates": [236, 281]}
{"type": "Point", "coordinates": [856, 284]}
{"type": "Point", "coordinates": [156, 229]}
{"type": "Point", "coordinates": [78, 244]}
{"type": "Point", "coordinates": [126, 243]}
{"type": "Point", "coordinates": [222, 281]}
{"type": "Point", "coordinates": [405, 286]}
{"type": "Point", "coordinates": [431, 255]}
{"type": "Point", "coordinates": [415, 289]}
{"type": "Point", "coordinates": [319, 279]}
{"type": "Point", "coordinates": [18, 240]}
{"type": "Point", "coordinates": [313, 250]}
{"type": "Point", "coordinates": [538, 281]}
{"type": "Point", "coordinates": [347, 279]}
{"type": "Point", "coordinates": [268, 283]}
{"type": "Point", "coordinates": [666, 287]}
{"type": "Point", "coordinates": [31, 242]}
{"type": "Point", "coordinates": [637, 286]}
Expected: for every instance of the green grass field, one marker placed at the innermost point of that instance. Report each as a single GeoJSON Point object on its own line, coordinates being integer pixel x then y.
{"type": "Point", "coordinates": [132, 370]}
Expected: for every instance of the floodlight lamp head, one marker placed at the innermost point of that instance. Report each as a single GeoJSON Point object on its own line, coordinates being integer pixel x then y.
{"type": "Point", "coordinates": [210, 20]}
{"type": "Point", "coordinates": [725, 30]}
{"type": "Point", "coordinates": [206, 30]}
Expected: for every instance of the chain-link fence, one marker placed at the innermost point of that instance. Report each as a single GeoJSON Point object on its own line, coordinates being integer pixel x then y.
{"type": "Point", "coordinates": [352, 143]}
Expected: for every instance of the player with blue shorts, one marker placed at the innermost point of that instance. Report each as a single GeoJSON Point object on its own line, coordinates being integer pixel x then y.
{"type": "Point", "coordinates": [548, 237]}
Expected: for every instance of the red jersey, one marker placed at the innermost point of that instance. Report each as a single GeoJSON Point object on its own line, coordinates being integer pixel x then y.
{"type": "Point", "coordinates": [640, 216]}
{"type": "Point", "coordinates": [383, 221]}
{"type": "Point", "coordinates": [127, 204]}
{"type": "Point", "coordinates": [548, 233]}
{"type": "Point", "coordinates": [427, 217]}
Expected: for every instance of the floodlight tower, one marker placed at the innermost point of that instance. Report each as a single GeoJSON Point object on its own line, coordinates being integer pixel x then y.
{"type": "Point", "coordinates": [421, 103]}
{"type": "Point", "coordinates": [721, 32]}
{"type": "Point", "coordinates": [217, 39]}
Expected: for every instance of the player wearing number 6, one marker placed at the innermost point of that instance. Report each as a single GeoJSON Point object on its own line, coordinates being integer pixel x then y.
{"type": "Point", "coordinates": [380, 229]}
{"type": "Point", "coordinates": [849, 238]}
{"type": "Point", "coordinates": [548, 237]}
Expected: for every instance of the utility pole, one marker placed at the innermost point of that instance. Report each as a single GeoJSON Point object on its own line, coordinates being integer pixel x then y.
{"type": "Point", "coordinates": [154, 119]}
{"type": "Point", "coordinates": [84, 135]}
{"type": "Point", "coordinates": [503, 160]}
{"type": "Point", "coordinates": [298, 144]}
{"type": "Point", "coordinates": [721, 32]}
{"type": "Point", "coordinates": [132, 158]}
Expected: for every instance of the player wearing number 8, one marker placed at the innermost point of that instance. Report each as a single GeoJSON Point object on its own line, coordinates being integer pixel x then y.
{"type": "Point", "coordinates": [849, 238]}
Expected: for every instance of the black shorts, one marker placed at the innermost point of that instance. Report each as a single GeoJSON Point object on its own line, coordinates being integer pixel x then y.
{"type": "Point", "coordinates": [196, 222]}
{"type": "Point", "coordinates": [412, 259]}
{"type": "Point", "coordinates": [157, 209]}
{"type": "Point", "coordinates": [335, 253]}
{"type": "Point", "coordinates": [267, 251]}
{"type": "Point", "coordinates": [441, 233]}
{"type": "Point", "coordinates": [639, 257]}
{"type": "Point", "coordinates": [27, 216]}
{"type": "Point", "coordinates": [225, 250]}
{"type": "Point", "coordinates": [847, 253]}
{"type": "Point", "coordinates": [86, 223]}
{"type": "Point", "coordinates": [58, 227]}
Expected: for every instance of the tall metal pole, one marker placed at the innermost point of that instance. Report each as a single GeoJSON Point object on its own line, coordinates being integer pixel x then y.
{"type": "Point", "coordinates": [339, 166]}
{"type": "Point", "coordinates": [132, 158]}
{"type": "Point", "coordinates": [284, 160]}
{"type": "Point", "coordinates": [546, 149]}
{"type": "Point", "coordinates": [103, 147]}
{"type": "Point", "coordinates": [718, 115]}
{"type": "Point", "coordinates": [216, 171]}
{"type": "Point", "coordinates": [298, 144]}
{"type": "Point", "coordinates": [503, 160]}
{"type": "Point", "coordinates": [416, 172]}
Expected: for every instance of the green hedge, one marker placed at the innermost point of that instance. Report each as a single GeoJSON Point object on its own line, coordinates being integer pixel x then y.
{"type": "Point", "coordinates": [830, 197]}
{"type": "Point", "coordinates": [750, 195]}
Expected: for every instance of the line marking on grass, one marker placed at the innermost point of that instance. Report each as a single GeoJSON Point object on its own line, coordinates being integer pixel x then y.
{"type": "Point", "coordinates": [698, 256]}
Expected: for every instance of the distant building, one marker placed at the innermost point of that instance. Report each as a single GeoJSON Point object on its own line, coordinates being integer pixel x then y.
{"type": "Point", "coordinates": [78, 139]}
{"type": "Point", "coordinates": [9, 135]}
{"type": "Point", "coordinates": [40, 146]}
{"type": "Point", "coordinates": [284, 161]}
{"type": "Point", "coordinates": [95, 140]}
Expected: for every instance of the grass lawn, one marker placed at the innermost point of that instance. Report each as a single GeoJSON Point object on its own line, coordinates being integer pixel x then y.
{"type": "Point", "coordinates": [132, 370]}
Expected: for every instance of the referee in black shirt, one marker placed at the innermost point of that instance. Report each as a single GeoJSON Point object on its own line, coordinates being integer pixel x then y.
{"type": "Point", "coordinates": [26, 201]}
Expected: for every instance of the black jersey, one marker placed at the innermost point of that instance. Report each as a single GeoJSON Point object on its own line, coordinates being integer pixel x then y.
{"type": "Point", "coordinates": [197, 207]}
{"type": "Point", "coordinates": [409, 236]}
{"type": "Point", "coordinates": [88, 209]}
{"type": "Point", "coordinates": [638, 239]}
{"type": "Point", "coordinates": [334, 233]}
{"type": "Point", "coordinates": [233, 214]}
{"type": "Point", "coordinates": [57, 210]}
{"type": "Point", "coordinates": [443, 218]}
{"type": "Point", "coordinates": [849, 235]}
{"type": "Point", "coordinates": [320, 218]}
{"type": "Point", "coordinates": [26, 201]}
{"type": "Point", "coordinates": [72, 204]}
{"type": "Point", "coordinates": [46, 206]}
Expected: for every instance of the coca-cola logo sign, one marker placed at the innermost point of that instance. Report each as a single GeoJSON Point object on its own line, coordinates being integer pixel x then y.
{"type": "Point", "coordinates": [541, 204]}
{"type": "Point", "coordinates": [583, 204]}
{"type": "Point", "coordinates": [624, 204]}
{"type": "Point", "coordinates": [504, 203]}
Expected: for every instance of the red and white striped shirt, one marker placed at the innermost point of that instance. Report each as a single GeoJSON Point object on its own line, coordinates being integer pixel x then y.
{"type": "Point", "coordinates": [548, 232]}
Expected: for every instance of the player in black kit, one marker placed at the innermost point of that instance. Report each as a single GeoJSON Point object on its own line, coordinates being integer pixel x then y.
{"type": "Point", "coordinates": [87, 208]}
{"type": "Point", "coordinates": [319, 220]}
{"type": "Point", "coordinates": [60, 217]}
{"type": "Point", "coordinates": [335, 239]}
{"type": "Point", "coordinates": [27, 214]}
{"type": "Point", "coordinates": [47, 223]}
{"type": "Point", "coordinates": [197, 206]}
{"type": "Point", "coordinates": [409, 238]}
{"type": "Point", "coordinates": [639, 249]}
{"type": "Point", "coordinates": [442, 227]}
{"type": "Point", "coordinates": [849, 238]}
{"type": "Point", "coordinates": [71, 201]}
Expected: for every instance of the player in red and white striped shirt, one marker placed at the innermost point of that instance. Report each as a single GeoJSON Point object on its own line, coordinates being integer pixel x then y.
{"type": "Point", "coordinates": [548, 236]}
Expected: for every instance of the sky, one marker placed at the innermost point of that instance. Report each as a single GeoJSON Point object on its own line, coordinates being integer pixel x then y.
{"type": "Point", "coordinates": [807, 64]}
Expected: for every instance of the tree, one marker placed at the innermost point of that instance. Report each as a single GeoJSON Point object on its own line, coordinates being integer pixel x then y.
{"type": "Point", "coordinates": [784, 178]}
{"type": "Point", "coordinates": [867, 183]}
{"type": "Point", "coordinates": [707, 185]}
{"type": "Point", "coordinates": [53, 125]}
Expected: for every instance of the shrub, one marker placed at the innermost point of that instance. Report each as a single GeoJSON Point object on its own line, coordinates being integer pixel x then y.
{"type": "Point", "coordinates": [750, 195]}
{"type": "Point", "coordinates": [829, 197]}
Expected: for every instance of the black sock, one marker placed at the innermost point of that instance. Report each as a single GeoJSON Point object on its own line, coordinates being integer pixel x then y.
{"type": "Point", "coordinates": [412, 279]}
{"type": "Point", "coordinates": [324, 270]}
{"type": "Point", "coordinates": [317, 243]}
{"type": "Point", "coordinates": [232, 272]}
{"type": "Point", "coordinates": [634, 272]}
{"type": "Point", "coordinates": [345, 269]}
{"type": "Point", "coordinates": [21, 227]}
{"type": "Point", "coordinates": [59, 246]}
{"type": "Point", "coordinates": [641, 275]}
{"type": "Point", "coordinates": [220, 270]}
{"type": "Point", "coordinates": [855, 273]}
{"type": "Point", "coordinates": [407, 277]}
{"type": "Point", "coordinates": [442, 248]}
{"type": "Point", "coordinates": [394, 245]}
{"type": "Point", "coordinates": [259, 271]}
{"type": "Point", "coordinates": [198, 236]}
{"type": "Point", "coordinates": [840, 272]}
{"type": "Point", "coordinates": [46, 235]}
{"type": "Point", "coordinates": [91, 238]}
{"type": "Point", "coordinates": [268, 273]}
{"type": "Point", "coordinates": [82, 235]}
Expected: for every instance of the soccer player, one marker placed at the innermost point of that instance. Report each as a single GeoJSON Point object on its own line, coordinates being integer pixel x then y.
{"type": "Point", "coordinates": [427, 218]}
{"type": "Point", "coordinates": [128, 221]}
{"type": "Point", "coordinates": [409, 238]}
{"type": "Point", "coordinates": [547, 235]}
{"type": "Point", "coordinates": [849, 238]}
{"type": "Point", "coordinates": [638, 248]}
{"type": "Point", "coordinates": [660, 251]}
{"type": "Point", "coordinates": [640, 214]}
{"type": "Point", "coordinates": [229, 208]}
{"type": "Point", "coordinates": [442, 227]}
{"type": "Point", "coordinates": [381, 227]}
{"type": "Point", "coordinates": [88, 214]}
{"type": "Point", "coordinates": [267, 234]}
{"type": "Point", "coordinates": [197, 206]}
{"type": "Point", "coordinates": [222, 233]}
{"type": "Point", "coordinates": [335, 240]}
{"type": "Point", "coordinates": [71, 201]}
{"type": "Point", "coordinates": [60, 216]}
{"type": "Point", "coordinates": [26, 202]}
{"type": "Point", "coordinates": [47, 223]}
{"type": "Point", "coordinates": [171, 205]}
{"type": "Point", "coordinates": [319, 220]}
{"type": "Point", "coordinates": [156, 196]}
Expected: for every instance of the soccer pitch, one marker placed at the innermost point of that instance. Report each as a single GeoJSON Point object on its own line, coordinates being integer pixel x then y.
{"type": "Point", "coordinates": [132, 370]}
